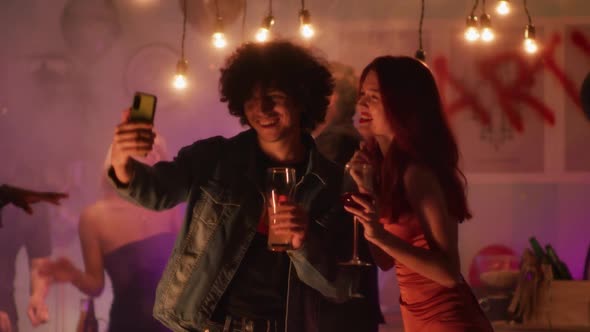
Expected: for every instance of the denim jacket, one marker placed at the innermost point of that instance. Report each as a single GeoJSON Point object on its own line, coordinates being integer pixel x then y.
{"type": "Point", "coordinates": [218, 179]}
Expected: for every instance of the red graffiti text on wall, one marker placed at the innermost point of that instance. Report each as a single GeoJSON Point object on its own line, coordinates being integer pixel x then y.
{"type": "Point", "coordinates": [510, 94]}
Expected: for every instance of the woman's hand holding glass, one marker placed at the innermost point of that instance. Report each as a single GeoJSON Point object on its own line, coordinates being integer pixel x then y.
{"type": "Point", "coordinates": [358, 183]}
{"type": "Point", "coordinates": [362, 176]}
{"type": "Point", "coordinates": [366, 213]}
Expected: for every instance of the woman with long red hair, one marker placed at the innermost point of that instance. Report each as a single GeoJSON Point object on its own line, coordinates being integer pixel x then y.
{"type": "Point", "coordinates": [419, 195]}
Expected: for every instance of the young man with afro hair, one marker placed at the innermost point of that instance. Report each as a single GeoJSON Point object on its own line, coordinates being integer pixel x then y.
{"type": "Point", "coordinates": [221, 276]}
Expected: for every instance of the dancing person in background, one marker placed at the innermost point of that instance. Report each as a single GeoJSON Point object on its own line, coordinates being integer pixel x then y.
{"type": "Point", "coordinates": [131, 244]}
{"type": "Point", "coordinates": [419, 199]}
{"type": "Point", "coordinates": [32, 233]}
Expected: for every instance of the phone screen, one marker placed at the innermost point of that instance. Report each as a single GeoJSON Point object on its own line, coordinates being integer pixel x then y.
{"type": "Point", "coordinates": [144, 107]}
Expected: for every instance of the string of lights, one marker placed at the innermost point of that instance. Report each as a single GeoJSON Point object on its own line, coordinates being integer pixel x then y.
{"type": "Point", "coordinates": [481, 29]}
{"type": "Point", "coordinates": [305, 28]}
{"type": "Point", "coordinates": [485, 22]}
{"type": "Point", "coordinates": [478, 28]}
{"type": "Point", "coordinates": [180, 81]}
{"type": "Point", "coordinates": [530, 42]}
{"type": "Point", "coordinates": [268, 21]}
{"type": "Point", "coordinates": [503, 7]}
{"type": "Point", "coordinates": [218, 38]}
{"type": "Point", "coordinates": [472, 29]}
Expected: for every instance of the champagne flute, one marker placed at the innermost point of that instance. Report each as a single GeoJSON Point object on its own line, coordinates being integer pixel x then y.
{"type": "Point", "coordinates": [360, 177]}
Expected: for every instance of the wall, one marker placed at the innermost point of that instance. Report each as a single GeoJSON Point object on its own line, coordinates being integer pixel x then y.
{"type": "Point", "coordinates": [70, 66]}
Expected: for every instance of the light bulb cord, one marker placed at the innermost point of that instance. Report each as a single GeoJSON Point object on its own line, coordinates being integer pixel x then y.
{"type": "Point", "coordinates": [474, 8]}
{"type": "Point", "coordinates": [217, 9]}
{"type": "Point", "coordinates": [420, 26]}
{"type": "Point", "coordinates": [184, 14]}
{"type": "Point", "coordinates": [526, 10]}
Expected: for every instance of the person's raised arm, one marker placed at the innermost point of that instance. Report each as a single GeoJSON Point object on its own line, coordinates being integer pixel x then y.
{"type": "Point", "coordinates": [130, 140]}
{"type": "Point", "coordinates": [157, 188]}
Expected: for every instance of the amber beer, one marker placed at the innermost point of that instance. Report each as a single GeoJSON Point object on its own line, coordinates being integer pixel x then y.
{"type": "Point", "coordinates": [280, 186]}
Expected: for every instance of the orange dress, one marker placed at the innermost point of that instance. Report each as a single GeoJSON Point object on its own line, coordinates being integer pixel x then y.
{"type": "Point", "coordinates": [427, 306]}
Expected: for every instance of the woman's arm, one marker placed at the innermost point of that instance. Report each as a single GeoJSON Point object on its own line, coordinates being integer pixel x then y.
{"type": "Point", "coordinates": [91, 280]}
{"type": "Point", "coordinates": [440, 263]}
{"type": "Point", "coordinates": [37, 309]}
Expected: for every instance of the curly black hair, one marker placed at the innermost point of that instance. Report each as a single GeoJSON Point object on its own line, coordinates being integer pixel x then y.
{"type": "Point", "coordinates": [281, 65]}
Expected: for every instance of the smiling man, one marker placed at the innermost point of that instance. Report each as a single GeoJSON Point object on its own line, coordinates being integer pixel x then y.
{"type": "Point", "coordinates": [221, 276]}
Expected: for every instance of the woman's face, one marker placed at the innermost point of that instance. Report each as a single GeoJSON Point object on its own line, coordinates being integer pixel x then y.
{"type": "Point", "coordinates": [371, 113]}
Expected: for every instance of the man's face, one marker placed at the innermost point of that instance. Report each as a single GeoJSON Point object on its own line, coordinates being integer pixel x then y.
{"type": "Point", "coordinates": [272, 115]}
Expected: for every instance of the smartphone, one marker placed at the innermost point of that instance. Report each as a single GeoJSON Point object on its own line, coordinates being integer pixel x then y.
{"type": "Point", "coordinates": [143, 108]}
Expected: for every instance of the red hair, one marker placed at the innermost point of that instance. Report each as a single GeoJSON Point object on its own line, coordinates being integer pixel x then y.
{"type": "Point", "coordinates": [422, 136]}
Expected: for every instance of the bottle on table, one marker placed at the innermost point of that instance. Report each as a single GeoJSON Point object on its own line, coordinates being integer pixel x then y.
{"type": "Point", "coordinates": [563, 273]}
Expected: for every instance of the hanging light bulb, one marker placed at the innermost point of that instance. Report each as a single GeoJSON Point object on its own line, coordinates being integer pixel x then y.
{"type": "Point", "coordinates": [305, 28]}
{"type": "Point", "coordinates": [530, 46]}
{"type": "Point", "coordinates": [263, 33]}
{"type": "Point", "coordinates": [218, 38]}
{"type": "Point", "coordinates": [487, 33]}
{"type": "Point", "coordinates": [530, 43]}
{"type": "Point", "coordinates": [503, 7]}
{"type": "Point", "coordinates": [420, 55]}
{"type": "Point", "coordinates": [530, 33]}
{"type": "Point", "coordinates": [180, 82]}
{"type": "Point", "coordinates": [472, 29]}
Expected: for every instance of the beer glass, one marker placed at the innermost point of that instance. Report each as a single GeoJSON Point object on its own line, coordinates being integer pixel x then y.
{"type": "Point", "coordinates": [280, 187]}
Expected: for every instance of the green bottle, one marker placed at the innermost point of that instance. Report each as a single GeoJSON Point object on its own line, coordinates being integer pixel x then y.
{"type": "Point", "coordinates": [538, 250]}
{"type": "Point", "coordinates": [562, 269]}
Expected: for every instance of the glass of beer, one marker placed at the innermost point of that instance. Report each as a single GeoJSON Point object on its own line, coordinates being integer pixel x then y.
{"type": "Point", "coordinates": [280, 187]}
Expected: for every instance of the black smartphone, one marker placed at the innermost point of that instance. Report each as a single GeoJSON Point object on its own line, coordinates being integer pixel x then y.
{"type": "Point", "coordinates": [143, 108]}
